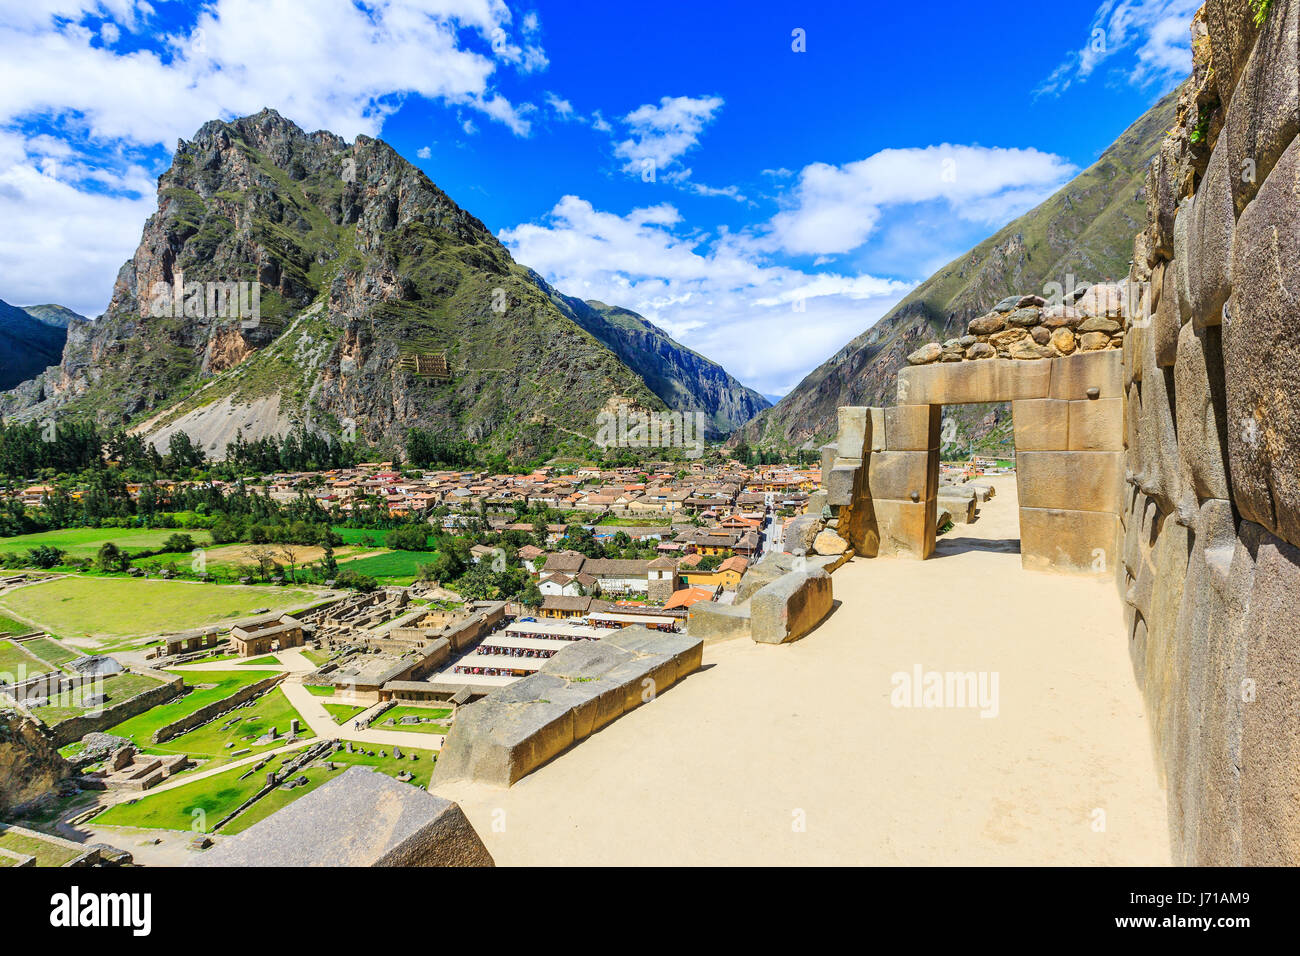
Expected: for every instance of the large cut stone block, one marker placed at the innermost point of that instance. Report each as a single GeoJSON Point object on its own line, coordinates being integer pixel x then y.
{"type": "Point", "coordinates": [1041, 424]}
{"type": "Point", "coordinates": [1202, 412]}
{"type": "Point", "coordinates": [1073, 376]}
{"type": "Point", "coordinates": [829, 453]}
{"type": "Point", "coordinates": [1159, 468]}
{"type": "Point", "coordinates": [1096, 425]}
{"type": "Point", "coordinates": [1071, 480]}
{"type": "Point", "coordinates": [360, 818]}
{"type": "Point", "coordinates": [1270, 736]}
{"type": "Point", "coordinates": [1264, 114]}
{"type": "Point", "coordinates": [960, 508]}
{"type": "Point", "coordinates": [844, 482]}
{"type": "Point", "coordinates": [1166, 322]}
{"type": "Point", "coordinates": [712, 622]}
{"type": "Point", "coordinates": [960, 383]}
{"type": "Point", "coordinates": [902, 474]}
{"type": "Point", "coordinates": [879, 438]}
{"type": "Point", "coordinates": [1230, 26]}
{"type": "Point", "coordinates": [791, 606]}
{"type": "Point", "coordinates": [1208, 264]}
{"type": "Point", "coordinates": [1076, 542]}
{"type": "Point", "coordinates": [855, 431]}
{"type": "Point", "coordinates": [913, 427]}
{"type": "Point", "coordinates": [906, 528]}
{"type": "Point", "coordinates": [801, 532]}
{"type": "Point", "coordinates": [1262, 355]}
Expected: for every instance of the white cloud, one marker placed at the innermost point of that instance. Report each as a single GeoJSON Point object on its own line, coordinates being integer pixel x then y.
{"type": "Point", "coordinates": [835, 209]}
{"type": "Point", "coordinates": [712, 293]}
{"type": "Point", "coordinates": [424, 152]}
{"type": "Point", "coordinates": [560, 106]}
{"type": "Point", "coordinates": [661, 135]}
{"type": "Point", "coordinates": [348, 68]}
{"type": "Point", "coordinates": [1158, 32]}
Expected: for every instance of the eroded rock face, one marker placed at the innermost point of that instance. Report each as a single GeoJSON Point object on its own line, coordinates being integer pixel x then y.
{"type": "Point", "coordinates": [30, 764]}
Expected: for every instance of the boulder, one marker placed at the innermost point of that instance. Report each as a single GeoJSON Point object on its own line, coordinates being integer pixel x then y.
{"type": "Point", "coordinates": [1063, 341]}
{"type": "Point", "coordinates": [987, 324]}
{"type": "Point", "coordinates": [791, 606]}
{"type": "Point", "coordinates": [828, 542]}
{"type": "Point", "coordinates": [981, 350]}
{"type": "Point", "coordinates": [800, 532]}
{"type": "Point", "coordinates": [930, 352]}
{"type": "Point", "coordinates": [712, 622]}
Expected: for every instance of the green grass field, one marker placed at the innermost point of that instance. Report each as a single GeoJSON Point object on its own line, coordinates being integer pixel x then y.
{"type": "Point", "coordinates": [209, 741]}
{"type": "Point", "coordinates": [395, 714]}
{"type": "Point", "coordinates": [391, 567]}
{"type": "Point", "coordinates": [342, 713]}
{"type": "Point", "coordinates": [9, 626]}
{"type": "Point", "coordinates": [214, 796]}
{"type": "Point", "coordinates": [141, 727]}
{"type": "Point", "coordinates": [85, 542]}
{"type": "Point", "coordinates": [261, 661]}
{"type": "Point", "coordinates": [47, 854]}
{"type": "Point", "coordinates": [18, 664]}
{"type": "Point", "coordinates": [118, 687]}
{"type": "Point", "coordinates": [114, 608]}
{"type": "Point", "coordinates": [52, 651]}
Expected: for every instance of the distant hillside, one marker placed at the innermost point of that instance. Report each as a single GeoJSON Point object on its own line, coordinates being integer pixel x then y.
{"type": "Point", "coordinates": [684, 379]}
{"type": "Point", "coordinates": [1085, 230]}
{"type": "Point", "coordinates": [365, 270]}
{"type": "Point", "coordinates": [57, 315]}
{"type": "Point", "coordinates": [29, 344]}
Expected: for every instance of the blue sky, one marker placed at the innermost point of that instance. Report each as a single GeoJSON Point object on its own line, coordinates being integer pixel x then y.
{"type": "Point", "coordinates": [762, 203]}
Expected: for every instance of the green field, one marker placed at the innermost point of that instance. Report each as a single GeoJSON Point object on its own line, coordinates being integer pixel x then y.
{"type": "Point", "coordinates": [359, 535]}
{"type": "Point", "coordinates": [391, 567]}
{"type": "Point", "coordinates": [397, 713]}
{"type": "Point", "coordinates": [9, 626]}
{"type": "Point", "coordinates": [85, 542]}
{"type": "Point", "coordinates": [118, 687]}
{"type": "Point", "coordinates": [115, 608]}
{"type": "Point", "coordinates": [141, 727]}
{"type": "Point", "coordinates": [174, 809]}
{"type": "Point", "coordinates": [221, 793]}
{"type": "Point", "coordinates": [209, 741]}
{"type": "Point", "coordinates": [47, 854]}
{"type": "Point", "coordinates": [19, 664]}
{"type": "Point", "coordinates": [49, 650]}
{"type": "Point", "coordinates": [342, 713]}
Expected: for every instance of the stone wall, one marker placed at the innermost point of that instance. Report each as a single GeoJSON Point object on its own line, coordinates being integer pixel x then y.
{"type": "Point", "coordinates": [30, 765]}
{"type": "Point", "coordinates": [74, 728]}
{"type": "Point", "coordinates": [215, 709]}
{"type": "Point", "coordinates": [1210, 574]}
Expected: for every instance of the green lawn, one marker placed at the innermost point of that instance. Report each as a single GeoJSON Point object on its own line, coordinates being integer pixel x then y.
{"type": "Point", "coordinates": [397, 713]}
{"type": "Point", "coordinates": [342, 713]}
{"type": "Point", "coordinates": [9, 626]}
{"type": "Point", "coordinates": [118, 687]}
{"type": "Point", "coordinates": [50, 650]}
{"type": "Point", "coordinates": [47, 854]}
{"type": "Point", "coordinates": [357, 536]}
{"type": "Point", "coordinates": [108, 608]}
{"type": "Point", "coordinates": [320, 690]}
{"type": "Point", "coordinates": [279, 798]}
{"type": "Point", "coordinates": [140, 728]}
{"type": "Point", "coordinates": [174, 809]}
{"type": "Point", "coordinates": [391, 567]}
{"type": "Point", "coordinates": [85, 542]}
{"type": "Point", "coordinates": [261, 661]}
{"type": "Point", "coordinates": [209, 741]}
{"type": "Point", "coordinates": [18, 664]}
{"type": "Point", "coordinates": [419, 769]}
{"type": "Point", "coordinates": [317, 657]}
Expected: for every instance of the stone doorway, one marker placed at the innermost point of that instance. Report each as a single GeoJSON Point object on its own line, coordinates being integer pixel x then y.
{"type": "Point", "coordinates": [1068, 417]}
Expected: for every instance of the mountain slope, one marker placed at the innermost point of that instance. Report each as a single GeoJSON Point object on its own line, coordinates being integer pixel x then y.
{"type": "Point", "coordinates": [1084, 230]}
{"type": "Point", "coordinates": [361, 263]}
{"type": "Point", "coordinates": [682, 378]}
{"type": "Point", "coordinates": [52, 314]}
{"type": "Point", "coordinates": [28, 345]}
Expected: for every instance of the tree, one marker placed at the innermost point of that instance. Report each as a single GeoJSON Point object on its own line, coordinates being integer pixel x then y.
{"type": "Point", "coordinates": [532, 596]}
{"type": "Point", "coordinates": [290, 553]}
{"type": "Point", "coordinates": [111, 558]}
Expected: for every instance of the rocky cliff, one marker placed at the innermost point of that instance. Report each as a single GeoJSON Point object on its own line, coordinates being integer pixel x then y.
{"type": "Point", "coordinates": [30, 765]}
{"type": "Point", "coordinates": [1083, 231]}
{"type": "Point", "coordinates": [358, 269]}
{"type": "Point", "coordinates": [1211, 552]}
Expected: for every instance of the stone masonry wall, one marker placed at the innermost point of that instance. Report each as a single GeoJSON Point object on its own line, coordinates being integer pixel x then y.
{"type": "Point", "coordinates": [1210, 574]}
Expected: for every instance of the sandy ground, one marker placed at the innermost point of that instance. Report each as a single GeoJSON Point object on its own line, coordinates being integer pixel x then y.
{"type": "Point", "coordinates": [795, 754]}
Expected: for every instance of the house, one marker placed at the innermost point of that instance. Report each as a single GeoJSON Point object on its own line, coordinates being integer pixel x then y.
{"type": "Point", "coordinates": [265, 634]}
{"type": "Point", "coordinates": [727, 575]}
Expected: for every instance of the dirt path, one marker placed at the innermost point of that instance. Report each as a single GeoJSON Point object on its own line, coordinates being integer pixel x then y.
{"type": "Point", "coordinates": [796, 754]}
